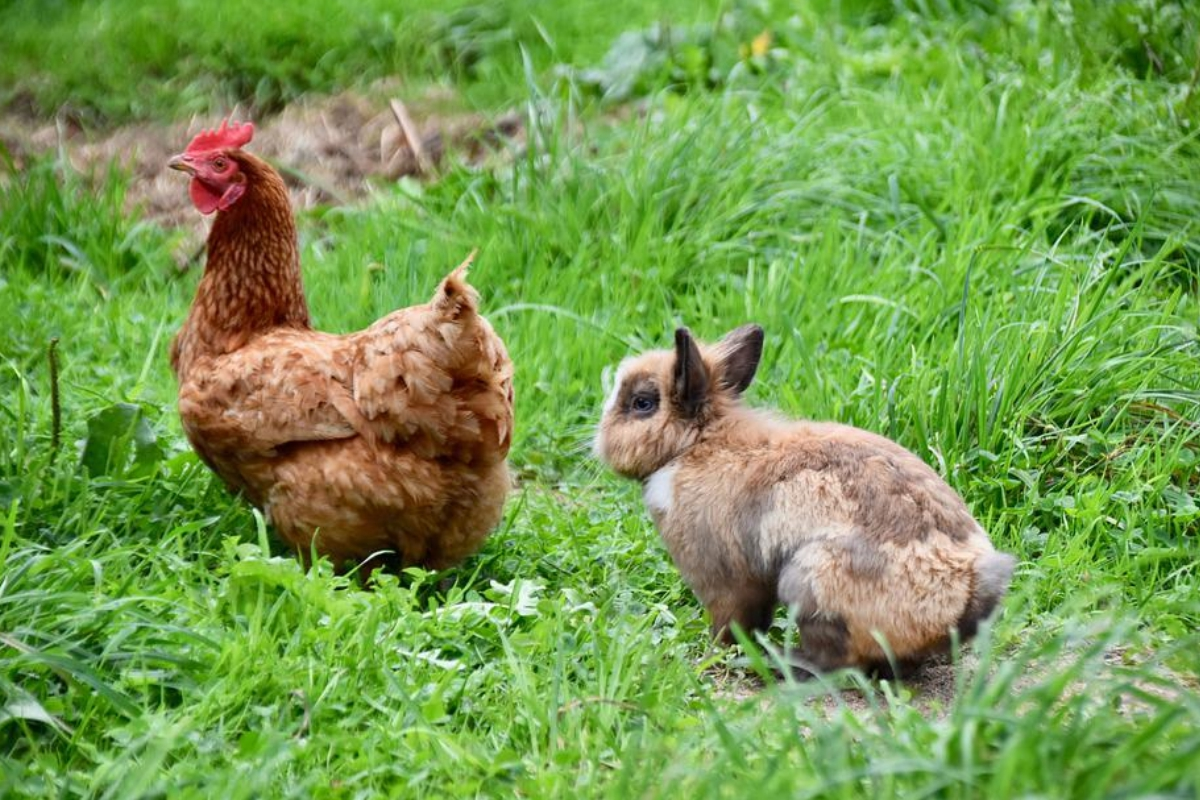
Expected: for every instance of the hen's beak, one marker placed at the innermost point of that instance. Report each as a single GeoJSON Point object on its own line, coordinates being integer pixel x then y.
{"type": "Point", "coordinates": [183, 163]}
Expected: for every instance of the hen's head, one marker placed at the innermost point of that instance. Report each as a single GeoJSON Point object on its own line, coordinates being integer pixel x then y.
{"type": "Point", "coordinates": [212, 159]}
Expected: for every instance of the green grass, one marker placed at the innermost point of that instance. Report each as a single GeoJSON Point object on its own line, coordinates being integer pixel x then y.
{"type": "Point", "coordinates": [147, 60]}
{"type": "Point", "coordinates": [973, 229]}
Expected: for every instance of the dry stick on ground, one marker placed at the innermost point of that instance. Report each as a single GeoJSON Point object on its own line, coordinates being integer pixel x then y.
{"type": "Point", "coordinates": [1151, 408]}
{"type": "Point", "coordinates": [55, 400]}
{"type": "Point", "coordinates": [409, 129]}
{"type": "Point", "coordinates": [306, 723]}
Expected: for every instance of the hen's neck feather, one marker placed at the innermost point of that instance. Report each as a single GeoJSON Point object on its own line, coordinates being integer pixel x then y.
{"type": "Point", "coordinates": [251, 280]}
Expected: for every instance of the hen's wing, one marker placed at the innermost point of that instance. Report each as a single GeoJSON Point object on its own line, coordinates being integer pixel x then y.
{"type": "Point", "coordinates": [437, 378]}
{"type": "Point", "coordinates": [285, 386]}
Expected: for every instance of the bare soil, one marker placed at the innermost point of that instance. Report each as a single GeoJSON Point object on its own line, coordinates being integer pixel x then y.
{"type": "Point", "coordinates": [329, 149]}
{"type": "Point", "coordinates": [933, 688]}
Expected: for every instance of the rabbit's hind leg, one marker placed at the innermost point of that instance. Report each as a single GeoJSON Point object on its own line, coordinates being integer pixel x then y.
{"type": "Point", "coordinates": [750, 607]}
{"type": "Point", "coordinates": [824, 636]}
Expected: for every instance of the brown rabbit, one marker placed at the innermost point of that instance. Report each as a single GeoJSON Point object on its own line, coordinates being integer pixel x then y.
{"type": "Point", "coordinates": [856, 535]}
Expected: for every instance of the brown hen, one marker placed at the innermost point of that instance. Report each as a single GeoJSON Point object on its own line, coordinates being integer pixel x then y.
{"type": "Point", "coordinates": [382, 447]}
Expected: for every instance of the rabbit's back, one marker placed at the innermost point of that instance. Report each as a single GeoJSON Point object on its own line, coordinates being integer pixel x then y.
{"type": "Point", "coordinates": [889, 493]}
{"type": "Point", "coordinates": [781, 484]}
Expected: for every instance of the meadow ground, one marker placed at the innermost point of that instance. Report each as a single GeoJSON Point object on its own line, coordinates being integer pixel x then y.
{"type": "Point", "coordinates": [971, 226]}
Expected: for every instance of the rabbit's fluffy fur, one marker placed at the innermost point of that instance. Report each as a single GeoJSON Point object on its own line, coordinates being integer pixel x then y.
{"type": "Point", "coordinates": [856, 535]}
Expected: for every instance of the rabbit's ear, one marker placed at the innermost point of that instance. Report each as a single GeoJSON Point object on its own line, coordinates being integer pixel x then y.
{"type": "Point", "coordinates": [691, 376]}
{"type": "Point", "coordinates": [737, 357]}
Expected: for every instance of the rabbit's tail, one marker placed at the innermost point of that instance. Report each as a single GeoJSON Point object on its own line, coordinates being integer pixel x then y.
{"type": "Point", "coordinates": [993, 572]}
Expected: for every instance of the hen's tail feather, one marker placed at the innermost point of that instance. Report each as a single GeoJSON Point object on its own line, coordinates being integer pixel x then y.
{"type": "Point", "coordinates": [462, 269]}
{"type": "Point", "coordinates": [454, 295]}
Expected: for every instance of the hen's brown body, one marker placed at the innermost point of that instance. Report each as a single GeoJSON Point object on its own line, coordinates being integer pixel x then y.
{"type": "Point", "coordinates": [390, 439]}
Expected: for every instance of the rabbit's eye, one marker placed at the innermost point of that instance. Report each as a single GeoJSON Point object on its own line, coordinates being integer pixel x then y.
{"type": "Point", "coordinates": [643, 404]}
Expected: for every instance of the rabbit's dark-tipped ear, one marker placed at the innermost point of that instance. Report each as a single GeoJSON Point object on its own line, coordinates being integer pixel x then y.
{"type": "Point", "coordinates": [691, 376]}
{"type": "Point", "coordinates": [737, 357]}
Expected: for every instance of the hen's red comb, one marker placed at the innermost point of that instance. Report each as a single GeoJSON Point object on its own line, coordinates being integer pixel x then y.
{"type": "Point", "coordinates": [226, 136]}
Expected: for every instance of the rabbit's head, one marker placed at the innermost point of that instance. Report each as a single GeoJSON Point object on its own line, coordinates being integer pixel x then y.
{"type": "Point", "coordinates": [665, 400]}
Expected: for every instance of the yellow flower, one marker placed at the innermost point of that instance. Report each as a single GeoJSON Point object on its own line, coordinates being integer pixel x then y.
{"type": "Point", "coordinates": [761, 44]}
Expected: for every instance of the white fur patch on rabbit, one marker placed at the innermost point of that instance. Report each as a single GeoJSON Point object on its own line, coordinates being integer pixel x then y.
{"type": "Point", "coordinates": [659, 492]}
{"type": "Point", "coordinates": [609, 403]}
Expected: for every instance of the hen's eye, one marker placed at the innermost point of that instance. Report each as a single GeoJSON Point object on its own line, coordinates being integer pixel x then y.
{"type": "Point", "coordinates": [643, 404]}
{"type": "Point", "coordinates": [219, 164]}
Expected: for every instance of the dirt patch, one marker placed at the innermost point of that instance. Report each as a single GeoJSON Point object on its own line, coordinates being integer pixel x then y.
{"type": "Point", "coordinates": [329, 149]}
{"type": "Point", "coordinates": [933, 689]}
